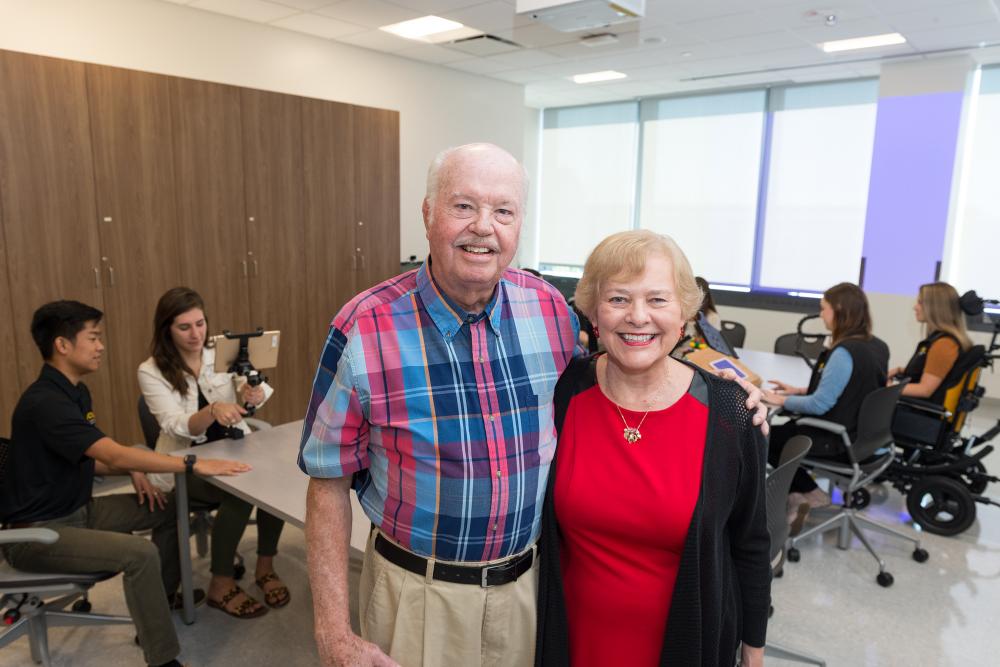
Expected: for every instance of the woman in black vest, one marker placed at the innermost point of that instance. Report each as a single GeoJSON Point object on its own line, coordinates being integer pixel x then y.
{"type": "Point", "coordinates": [937, 308]}
{"type": "Point", "coordinates": [854, 366]}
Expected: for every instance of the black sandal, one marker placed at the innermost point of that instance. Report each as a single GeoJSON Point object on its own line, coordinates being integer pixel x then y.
{"type": "Point", "coordinates": [249, 608]}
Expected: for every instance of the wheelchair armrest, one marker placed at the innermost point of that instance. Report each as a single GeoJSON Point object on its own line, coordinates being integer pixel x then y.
{"type": "Point", "coordinates": [924, 406]}
{"type": "Point", "coordinates": [257, 424]}
{"type": "Point", "coordinates": [40, 535]}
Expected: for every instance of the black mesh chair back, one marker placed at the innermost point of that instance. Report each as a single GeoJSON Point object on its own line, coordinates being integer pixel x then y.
{"type": "Point", "coordinates": [875, 422]}
{"type": "Point", "coordinates": [150, 427]}
{"type": "Point", "coordinates": [795, 345]}
{"type": "Point", "coordinates": [778, 482]}
{"type": "Point", "coordinates": [734, 333]}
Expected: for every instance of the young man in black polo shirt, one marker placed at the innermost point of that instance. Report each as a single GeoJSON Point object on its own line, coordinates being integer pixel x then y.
{"type": "Point", "coordinates": [55, 451]}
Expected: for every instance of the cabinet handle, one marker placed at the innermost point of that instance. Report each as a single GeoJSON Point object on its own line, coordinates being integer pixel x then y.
{"type": "Point", "coordinates": [111, 275]}
{"type": "Point", "coordinates": [255, 268]}
{"type": "Point", "coordinates": [97, 278]}
{"type": "Point", "coordinates": [354, 262]}
{"type": "Point", "coordinates": [244, 263]}
{"type": "Point", "coordinates": [362, 261]}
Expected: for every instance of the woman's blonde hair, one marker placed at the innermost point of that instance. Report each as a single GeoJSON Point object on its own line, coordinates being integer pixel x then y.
{"type": "Point", "coordinates": [943, 313]}
{"type": "Point", "coordinates": [624, 255]}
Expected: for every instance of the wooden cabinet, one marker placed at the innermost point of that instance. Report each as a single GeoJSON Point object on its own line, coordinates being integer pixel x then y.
{"type": "Point", "coordinates": [272, 158]}
{"type": "Point", "coordinates": [376, 194]}
{"type": "Point", "coordinates": [208, 171]}
{"type": "Point", "coordinates": [117, 185]}
{"type": "Point", "coordinates": [9, 382]}
{"type": "Point", "coordinates": [49, 210]}
{"type": "Point", "coordinates": [330, 255]}
{"type": "Point", "coordinates": [137, 214]}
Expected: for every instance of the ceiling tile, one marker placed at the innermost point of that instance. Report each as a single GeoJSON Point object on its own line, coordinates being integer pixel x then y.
{"type": "Point", "coordinates": [321, 26]}
{"type": "Point", "coordinates": [369, 13]}
{"type": "Point", "coordinates": [379, 40]}
{"type": "Point", "coordinates": [430, 53]}
{"type": "Point", "coordinates": [436, 7]}
{"type": "Point", "coordinates": [844, 30]}
{"type": "Point", "coordinates": [250, 10]}
{"type": "Point", "coordinates": [524, 58]}
{"type": "Point", "coordinates": [956, 14]}
{"type": "Point", "coordinates": [959, 36]}
{"type": "Point", "coordinates": [489, 17]}
{"type": "Point", "coordinates": [478, 66]}
{"type": "Point", "coordinates": [521, 76]}
{"type": "Point", "coordinates": [537, 36]}
{"type": "Point", "coordinates": [306, 5]}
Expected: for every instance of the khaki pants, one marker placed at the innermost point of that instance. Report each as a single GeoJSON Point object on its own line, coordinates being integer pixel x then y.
{"type": "Point", "coordinates": [422, 622]}
{"type": "Point", "coordinates": [97, 538]}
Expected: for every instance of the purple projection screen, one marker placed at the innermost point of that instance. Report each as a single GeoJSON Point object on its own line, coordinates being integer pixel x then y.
{"type": "Point", "coordinates": [910, 188]}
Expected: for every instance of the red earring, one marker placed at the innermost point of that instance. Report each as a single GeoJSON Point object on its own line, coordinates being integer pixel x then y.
{"type": "Point", "coordinates": [597, 333]}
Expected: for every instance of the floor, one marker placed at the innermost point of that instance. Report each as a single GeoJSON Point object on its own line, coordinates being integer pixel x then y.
{"type": "Point", "coordinates": [828, 604]}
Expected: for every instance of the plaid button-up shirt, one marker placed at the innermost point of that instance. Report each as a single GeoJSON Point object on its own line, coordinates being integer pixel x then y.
{"type": "Point", "coordinates": [444, 418]}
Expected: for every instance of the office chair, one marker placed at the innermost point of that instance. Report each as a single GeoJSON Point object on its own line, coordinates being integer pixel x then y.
{"type": "Point", "coordinates": [27, 595]}
{"type": "Point", "coordinates": [734, 333]}
{"type": "Point", "coordinates": [869, 454]}
{"type": "Point", "coordinates": [796, 345]}
{"type": "Point", "coordinates": [776, 486]}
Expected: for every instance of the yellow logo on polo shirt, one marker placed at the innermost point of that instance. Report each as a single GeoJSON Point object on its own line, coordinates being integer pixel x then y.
{"type": "Point", "coordinates": [91, 418]}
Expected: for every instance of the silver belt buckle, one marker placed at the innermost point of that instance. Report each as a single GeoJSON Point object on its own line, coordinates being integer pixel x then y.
{"type": "Point", "coordinates": [509, 564]}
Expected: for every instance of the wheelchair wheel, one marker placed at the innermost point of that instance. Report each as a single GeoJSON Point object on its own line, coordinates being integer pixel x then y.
{"type": "Point", "coordinates": [941, 505]}
{"type": "Point", "coordinates": [975, 481]}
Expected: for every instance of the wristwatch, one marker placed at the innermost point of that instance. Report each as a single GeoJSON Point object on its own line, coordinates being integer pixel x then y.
{"type": "Point", "coordinates": [189, 461]}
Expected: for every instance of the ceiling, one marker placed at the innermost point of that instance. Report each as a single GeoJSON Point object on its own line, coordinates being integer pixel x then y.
{"type": "Point", "coordinates": [680, 45]}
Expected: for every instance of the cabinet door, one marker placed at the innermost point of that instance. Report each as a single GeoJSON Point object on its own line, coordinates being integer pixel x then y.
{"type": "Point", "coordinates": [208, 171]}
{"type": "Point", "coordinates": [328, 159]}
{"type": "Point", "coordinates": [47, 190]}
{"type": "Point", "coordinates": [9, 384]}
{"type": "Point", "coordinates": [376, 156]}
{"type": "Point", "coordinates": [134, 176]}
{"type": "Point", "coordinates": [272, 151]}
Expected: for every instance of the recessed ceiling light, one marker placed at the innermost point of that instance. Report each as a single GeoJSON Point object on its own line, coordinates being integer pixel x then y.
{"type": "Point", "coordinates": [888, 39]}
{"type": "Point", "coordinates": [594, 77]}
{"type": "Point", "coordinates": [422, 27]}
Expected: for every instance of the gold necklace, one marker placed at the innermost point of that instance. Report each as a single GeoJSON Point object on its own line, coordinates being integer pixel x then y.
{"type": "Point", "coordinates": [632, 434]}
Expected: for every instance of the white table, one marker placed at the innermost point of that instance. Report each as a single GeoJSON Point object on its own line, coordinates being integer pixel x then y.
{"type": "Point", "coordinates": [275, 484]}
{"type": "Point", "coordinates": [771, 366]}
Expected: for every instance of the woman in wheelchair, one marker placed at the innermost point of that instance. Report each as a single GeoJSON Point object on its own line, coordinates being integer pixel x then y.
{"type": "Point", "coordinates": [938, 309]}
{"type": "Point", "coordinates": [195, 403]}
{"type": "Point", "coordinates": [853, 366]}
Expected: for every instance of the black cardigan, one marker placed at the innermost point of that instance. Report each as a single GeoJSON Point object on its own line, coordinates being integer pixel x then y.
{"type": "Point", "coordinates": [722, 593]}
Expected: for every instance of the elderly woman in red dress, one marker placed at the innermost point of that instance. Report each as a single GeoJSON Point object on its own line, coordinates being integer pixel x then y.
{"type": "Point", "coordinates": [654, 546]}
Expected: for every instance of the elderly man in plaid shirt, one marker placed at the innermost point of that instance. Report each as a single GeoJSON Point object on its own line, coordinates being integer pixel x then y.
{"type": "Point", "coordinates": [433, 399]}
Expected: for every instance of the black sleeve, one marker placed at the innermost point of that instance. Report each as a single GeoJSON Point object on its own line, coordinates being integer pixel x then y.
{"type": "Point", "coordinates": [63, 429]}
{"type": "Point", "coordinates": [751, 542]}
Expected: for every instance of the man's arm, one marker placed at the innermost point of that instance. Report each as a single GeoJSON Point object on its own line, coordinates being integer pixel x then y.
{"type": "Point", "coordinates": [328, 539]}
{"type": "Point", "coordinates": [111, 455]}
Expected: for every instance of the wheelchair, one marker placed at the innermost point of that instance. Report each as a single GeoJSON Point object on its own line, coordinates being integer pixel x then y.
{"type": "Point", "coordinates": [940, 472]}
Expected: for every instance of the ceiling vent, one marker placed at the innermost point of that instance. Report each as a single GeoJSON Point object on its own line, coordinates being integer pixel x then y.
{"type": "Point", "coordinates": [575, 15]}
{"type": "Point", "coordinates": [600, 39]}
{"type": "Point", "coordinates": [483, 45]}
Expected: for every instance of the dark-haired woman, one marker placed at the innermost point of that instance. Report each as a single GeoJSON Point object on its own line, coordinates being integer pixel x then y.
{"type": "Point", "coordinates": [853, 366]}
{"type": "Point", "coordinates": [195, 404]}
{"type": "Point", "coordinates": [938, 309]}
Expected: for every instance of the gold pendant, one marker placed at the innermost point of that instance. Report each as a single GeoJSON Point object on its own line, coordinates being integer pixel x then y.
{"type": "Point", "coordinates": [632, 435]}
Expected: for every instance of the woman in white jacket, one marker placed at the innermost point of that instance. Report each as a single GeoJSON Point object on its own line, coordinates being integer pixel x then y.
{"type": "Point", "coordinates": [194, 404]}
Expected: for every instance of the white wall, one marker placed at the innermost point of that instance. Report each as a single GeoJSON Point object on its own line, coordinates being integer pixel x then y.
{"type": "Point", "coordinates": [438, 107]}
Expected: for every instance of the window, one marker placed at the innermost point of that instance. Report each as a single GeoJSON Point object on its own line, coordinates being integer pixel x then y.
{"type": "Point", "coordinates": [587, 182]}
{"type": "Point", "coordinates": [822, 138]}
{"type": "Point", "coordinates": [975, 230]}
{"type": "Point", "coordinates": [700, 178]}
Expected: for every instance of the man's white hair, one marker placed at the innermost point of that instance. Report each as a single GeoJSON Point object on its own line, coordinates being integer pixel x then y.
{"type": "Point", "coordinates": [441, 159]}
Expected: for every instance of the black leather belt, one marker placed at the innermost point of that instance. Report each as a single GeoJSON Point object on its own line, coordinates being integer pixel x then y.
{"type": "Point", "coordinates": [485, 575]}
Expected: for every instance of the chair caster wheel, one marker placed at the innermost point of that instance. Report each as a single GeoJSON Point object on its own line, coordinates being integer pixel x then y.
{"type": "Point", "coordinates": [11, 616]}
{"type": "Point", "coordinates": [884, 579]}
{"type": "Point", "coordinates": [83, 606]}
{"type": "Point", "coordinates": [793, 555]}
{"type": "Point", "coordinates": [920, 555]}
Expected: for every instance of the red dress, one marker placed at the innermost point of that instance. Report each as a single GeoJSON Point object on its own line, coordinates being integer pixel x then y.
{"type": "Point", "coordinates": [623, 512]}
